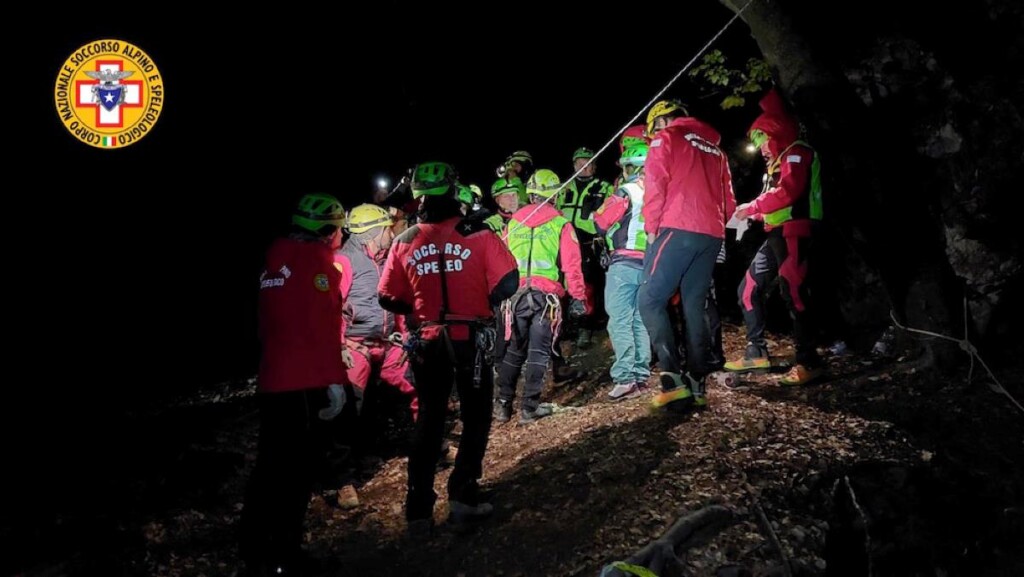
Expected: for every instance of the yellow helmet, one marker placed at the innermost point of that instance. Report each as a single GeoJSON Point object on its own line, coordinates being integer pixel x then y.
{"type": "Point", "coordinates": [544, 183]}
{"type": "Point", "coordinates": [661, 108]}
{"type": "Point", "coordinates": [367, 216]}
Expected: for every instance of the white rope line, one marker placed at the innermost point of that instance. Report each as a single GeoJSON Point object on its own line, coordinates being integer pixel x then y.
{"type": "Point", "coordinates": [864, 518]}
{"type": "Point", "coordinates": [967, 347]}
{"type": "Point", "coordinates": [635, 117]}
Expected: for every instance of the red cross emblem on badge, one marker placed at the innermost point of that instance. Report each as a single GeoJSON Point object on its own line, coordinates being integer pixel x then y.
{"type": "Point", "coordinates": [109, 93]}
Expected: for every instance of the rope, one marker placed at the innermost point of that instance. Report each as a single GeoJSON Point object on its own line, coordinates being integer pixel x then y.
{"type": "Point", "coordinates": [628, 569]}
{"type": "Point", "coordinates": [864, 520]}
{"type": "Point", "coordinates": [969, 348]}
{"type": "Point", "coordinates": [635, 117]}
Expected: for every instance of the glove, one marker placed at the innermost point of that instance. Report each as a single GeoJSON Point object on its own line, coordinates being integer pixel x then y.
{"type": "Point", "coordinates": [346, 357]}
{"type": "Point", "coordinates": [577, 309]}
{"type": "Point", "coordinates": [336, 394]}
{"type": "Point", "coordinates": [591, 204]}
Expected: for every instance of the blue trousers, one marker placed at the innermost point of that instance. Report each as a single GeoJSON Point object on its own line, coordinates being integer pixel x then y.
{"type": "Point", "coordinates": [626, 329]}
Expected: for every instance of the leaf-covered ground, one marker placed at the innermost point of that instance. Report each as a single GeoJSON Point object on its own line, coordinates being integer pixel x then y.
{"type": "Point", "coordinates": [880, 468]}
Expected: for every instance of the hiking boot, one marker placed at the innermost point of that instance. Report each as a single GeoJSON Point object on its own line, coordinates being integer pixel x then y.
{"type": "Point", "coordinates": [673, 391]}
{"type": "Point", "coordinates": [623, 391]}
{"type": "Point", "coordinates": [801, 375]}
{"type": "Point", "coordinates": [583, 339]}
{"type": "Point", "coordinates": [419, 528]}
{"type": "Point", "coordinates": [755, 358]}
{"type": "Point", "coordinates": [695, 384]}
{"type": "Point", "coordinates": [502, 411]}
{"type": "Point", "coordinates": [535, 415]}
{"type": "Point", "coordinates": [462, 515]}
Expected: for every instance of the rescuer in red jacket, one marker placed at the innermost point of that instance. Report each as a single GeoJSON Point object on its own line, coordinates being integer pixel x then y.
{"type": "Point", "coordinates": [447, 273]}
{"type": "Point", "coordinates": [300, 332]}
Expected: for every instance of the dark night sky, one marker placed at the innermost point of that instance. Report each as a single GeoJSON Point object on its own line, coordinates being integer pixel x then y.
{"type": "Point", "coordinates": [258, 113]}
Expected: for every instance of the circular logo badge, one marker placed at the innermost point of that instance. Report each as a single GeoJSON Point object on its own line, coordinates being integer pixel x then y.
{"type": "Point", "coordinates": [321, 283]}
{"type": "Point", "coordinates": [109, 94]}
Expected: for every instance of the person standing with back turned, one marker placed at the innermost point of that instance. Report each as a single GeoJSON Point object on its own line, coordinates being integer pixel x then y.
{"type": "Point", "coordinates": [447, 273]}
{"type": "Point", "coordinates": [688, 198]}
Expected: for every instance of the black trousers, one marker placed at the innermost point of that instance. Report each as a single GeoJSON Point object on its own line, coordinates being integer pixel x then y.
{"type": "Point", "coordinates": [530, 345]}
{"type": "Point", "coordinates": [290, 452]}
{"type": "Point", "coordinates": [684, 261]}
{"type": "Point", "coordinates": [786, 258]}
{"type": "Point", "coordinates": [716, 352]}
{"type": "Point", "coordinates": [567, 332]}
{"type": "Point", "coordinates": [594, 277]}
{"type": "Point", "coordinates": [436, 373]}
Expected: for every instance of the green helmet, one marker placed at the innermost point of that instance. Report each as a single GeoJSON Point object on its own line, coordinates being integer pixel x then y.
{"type": "Point", "coordinates": [758, 137]}
{"type": "Point", "coordinates": [316, 211]}
{"type": "Point", "coordinates": [507, 186]}
{"type": "Point", "coordinates": [464, 194]}
{"type": "Point", "coordinates": [543, 183]}
{"type": "Point", "coordinates": [628, 141]}
{"type": "Point", "coordinates": [433, 179]}
{"type": "Point", "coordinates": [635, 155]}
{"type": "Point", "coordinates": [582, 152]}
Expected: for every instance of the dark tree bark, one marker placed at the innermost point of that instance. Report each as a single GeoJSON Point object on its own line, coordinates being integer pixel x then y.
{"type": "Point", "coordinates": [888, 114]}
{"type": "Point", "coordinates": [662, 555]}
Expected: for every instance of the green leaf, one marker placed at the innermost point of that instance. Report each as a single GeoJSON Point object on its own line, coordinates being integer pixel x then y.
{"type": "Point", "coordinates": [715, 78]}
{"type": "Point", "coordinates": [758, 70]}
{"type": "Point", "coordinates": [714, 57]}
{"type": "Point", "coordinates": [733, 101]}
{"type": "Point", "coordinates": [750, 87]}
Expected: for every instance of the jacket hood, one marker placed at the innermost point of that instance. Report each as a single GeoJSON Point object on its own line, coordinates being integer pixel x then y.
{"type": "Point", "coordinates": [776, 122]}
{"type": "Point", "coordinates": [698, 127]}
{"type": "Point", "coordinates": [545, 213]}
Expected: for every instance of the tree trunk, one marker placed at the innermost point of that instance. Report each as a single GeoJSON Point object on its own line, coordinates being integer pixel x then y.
{"type": "Point", "coordinates": [875, 193]}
